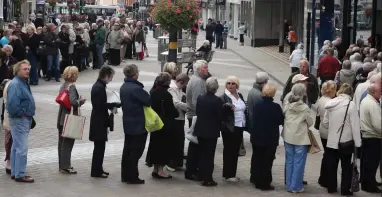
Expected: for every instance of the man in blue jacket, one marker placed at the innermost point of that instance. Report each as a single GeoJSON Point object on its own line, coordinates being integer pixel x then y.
{"type": "Point", "coordinates": [21, 109]}
{"type": "Point", "coordinates": [133, 98]}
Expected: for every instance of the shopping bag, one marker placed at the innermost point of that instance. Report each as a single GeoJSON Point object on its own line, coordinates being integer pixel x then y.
{"type": "Point", "coordinates": [138, 47]}
{"type": "Point", "coordinates": [189, 130]}
{"type": "Point", "coordinates": [152, 120]}
{"type": "Point", "coordinates": [63, 98]}
{"type": "Point", "coordinates": [314, 147]}
{"type": "Point", "coordinates": [74, 126]}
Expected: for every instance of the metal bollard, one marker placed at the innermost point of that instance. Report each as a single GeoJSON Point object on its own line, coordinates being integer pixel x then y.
{"type": "Point", "coordinates": [225, 41]}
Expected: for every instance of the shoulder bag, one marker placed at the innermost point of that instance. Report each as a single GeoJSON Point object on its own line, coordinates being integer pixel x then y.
{"type": "Point", "coordinates": [63, 98]}
{"type": "Point", "coordinates": [345, 147]}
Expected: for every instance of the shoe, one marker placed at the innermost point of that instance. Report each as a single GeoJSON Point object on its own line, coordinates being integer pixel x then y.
{"type": "Point", "coordinates": [305, 183]}
{"type": "Point", "coordinates": [296, 192]}
{"type": "Point", "coordinates": [135, 182]}
{"type": "Point", "coordinates": [375, 190]}
{"type": "Point", "coordinates": [322, 184]}
{"type": "Point", "coordinates": [379, 184]}
{"type": "Point", "coordinates": [192, 177]}
{"type": "Point", "coordinates": [233, 179]}
{"type": "Point", "coordinates": [348, 193]}
{"type": "Point", "coordinates": [268, 188]}
{"type": "Point", "coordinates": [7, 171]}
{"type": "Point", "coordinates": [25, 179]}
{"type": "Point", "coordinates": [99, 176]}
{"type": "Point", "coordinates": [170, 169]}
{"type": "Point", "coordinates": [209, 183]}
{"type": "Point", "coordinates": [58, 80]}
{"type": "Point", "coordinates": [13, 177]}
{"type": "Point", "coordinates": [105, 173]}
{"type": "Point", "coordinates": [47, 79]}
{"type": "Point", "coordinates": [68, 171]}
{"type": "Point", "coordinates": [157, 176]}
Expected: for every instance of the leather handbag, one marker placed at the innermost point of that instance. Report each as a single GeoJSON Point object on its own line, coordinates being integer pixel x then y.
{"type": "Point", "coordinates": [345, 147]}
{"type": "Point", "coordinates": [63, 98]}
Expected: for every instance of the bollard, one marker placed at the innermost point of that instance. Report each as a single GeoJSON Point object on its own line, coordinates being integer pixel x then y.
{"type": "Point", "coordinates": [161, 66]}
{"type": "Point", "coordinates": [225, 41]}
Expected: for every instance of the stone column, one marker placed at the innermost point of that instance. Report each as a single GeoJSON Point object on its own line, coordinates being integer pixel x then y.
{"type": "Point", "coordinates": [205, 17]}
{"type": "Point", "coordinates": [236, 21]}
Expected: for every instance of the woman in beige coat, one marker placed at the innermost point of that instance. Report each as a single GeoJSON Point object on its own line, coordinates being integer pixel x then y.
{"type": "Point", "coordinates": [296, 138]}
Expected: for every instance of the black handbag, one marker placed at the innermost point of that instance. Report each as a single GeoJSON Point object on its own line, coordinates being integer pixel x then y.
{"type": "Point", "coordinates": [345, 147]}
{"type": "Point", "coordinates": [33, 124]}
{"type": "Point", "coordinates": [318, 121]}
{"type": "Point", "coordinates": [111, 122]}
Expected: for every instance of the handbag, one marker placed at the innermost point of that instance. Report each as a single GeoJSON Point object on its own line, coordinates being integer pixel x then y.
{"type": "Point", "coordinates": [63, 98]}
{"type": "Point", "coordinates": [111, 122]}
{"type": "Point", "coordinates": [74, 125]}
{"type": "Point", "coordinates": [345, 147]}
{"type": "Point", "coordinates": [314, 147]}
{"type": "Point", "coordinates": [355, 174]}
{"type": "Point", "coordinates": [33, 123]}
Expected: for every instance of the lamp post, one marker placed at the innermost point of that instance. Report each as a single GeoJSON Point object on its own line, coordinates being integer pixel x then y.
{"type": "Point", "coordinates": [173, 44]}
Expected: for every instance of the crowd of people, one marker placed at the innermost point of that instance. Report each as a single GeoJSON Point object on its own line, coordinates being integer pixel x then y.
{"type": "Point", "coordinates": [348, 111]}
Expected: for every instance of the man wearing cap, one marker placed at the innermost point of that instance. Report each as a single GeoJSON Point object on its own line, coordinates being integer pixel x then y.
{"type": "Point", "coordinates": [302, 77]}
{"type": "Point", "coordinates": [100, 42]}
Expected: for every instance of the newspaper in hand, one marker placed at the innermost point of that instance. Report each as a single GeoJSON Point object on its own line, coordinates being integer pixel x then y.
{"type": "Point", "coordinates": [113, 97]}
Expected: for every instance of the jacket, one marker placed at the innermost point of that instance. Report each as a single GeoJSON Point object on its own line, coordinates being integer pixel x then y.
{"type": "Point", "coordinates": [72, 38]}
{"type": "Point", "coordinates": [139, 36]}
{"type": "Point", "coordinates": [361, 88]}
{"type": "Point", "coordinates": [19, 52]}
{"type": "Point", "coordinates": [228, 124]}
{"type": "Point", "coordinates": [6, 115]}
{"type": "Point", "coordinates": [295, 58]}
{"type": "Point", "coordinates": [50, 43]}
{"type": "Point", "coordinates": [345, 76]}
{"type": "Point", "coordinates": [4, 70]}
{"type": "Point", "coordinates": [312, 89]}
{"type": "Point", "coordinates": [219, 28]}
{"type": "Point", "coordinates": [33, 42]}
{"type": "Point", "coordinates": [255, 95]}
{"type": "Point", "coordinates": [209, 30]}
{"type": "Point", "coordinates": [334, 118]}
{"type": "Point", "coordinates": [267, 118]}
{"type": "Point", "coordinates": [370, 114]}
{"type": "Point", "coordinates": [74, 98]}
{"type": "Point", "coordinates": [321, 112]}
{"type": "Point", "coordinates": [328, 67]}
{"type": "Point", "coordinates": [296, 124]}
{"type": "Point", "coordinates": [20, 101]}
{"type": "Point", "coordinates": [195, 88]}
{"type": "Point", "coordinates": [208, 111]}
{"type": "Point", "coordinates": [356, 65]}
{"type": "Point", "coordinates": [133, 98]}
{"type": "Point", "coordinates": [99, 119]}
{"type": "Point", "coordinates": [177, 97]}
{"type": "Point", "coordinates": [115, 39]}
{"type": "Point", "coordinates": [100, 36]}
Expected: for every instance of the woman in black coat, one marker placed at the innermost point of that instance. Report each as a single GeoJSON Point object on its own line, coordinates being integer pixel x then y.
{"type": "Point", "coordinates": [161, 146]}
{"type": "Point", "coordinates": [100, 121]}
{"type": "Point", "coordinates": [32, 42]}
{"type": "Point", "coordinates": [267, 117]}
{"type": "Point", "coordinates": [19, 51]}
{"type": "Point", "coordinates": [207, 130]}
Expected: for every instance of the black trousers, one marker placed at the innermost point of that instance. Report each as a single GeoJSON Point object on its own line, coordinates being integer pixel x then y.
{"type": "Point", "coordinates": [129, 50]}
{"type": "Point", "coordinates": [323, 180]}
{"type": "Point", "coordinates": [98, 155]}
{"type": "Point", "coordinates": [177, 160]}
{"type": "Point", "coordinates": [207, 157]}
{"type": "Point", "coordinates": [261, 165]}
{"type": "Point", "coordinates": [292, 46]}
{"type": "Point", "coordinates": [371, 156]}
{"type": "Point", "coordinates": [333, 157]}
{"type": "Point", "coordinates": [132, 151]}
{"type": "Point", "coordinates": [232, 142]}
{"type": "Point", "coordinates": [115, 56]}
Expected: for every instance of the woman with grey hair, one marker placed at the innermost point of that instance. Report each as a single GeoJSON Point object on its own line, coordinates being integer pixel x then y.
{"type": "Point", "coordinates": [161, 146]}
{"type": "Point", "coordinates": [345, 75]}
{"type": "Point", "coordinates": [207, 130]}
{"type": "Point", "coordinates": [295, 58]}
{"type": "Point", "coordinates": [296, 139]}
{"type": "Point", "coordinates": [115, 39]}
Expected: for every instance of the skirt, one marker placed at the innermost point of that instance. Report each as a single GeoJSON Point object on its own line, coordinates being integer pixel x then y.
{"type": "Point", "coordinates": [115, 57]}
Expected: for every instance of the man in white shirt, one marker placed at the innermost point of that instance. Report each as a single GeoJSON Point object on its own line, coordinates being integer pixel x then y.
{"type": "Point", "coordinates": [370, 115]}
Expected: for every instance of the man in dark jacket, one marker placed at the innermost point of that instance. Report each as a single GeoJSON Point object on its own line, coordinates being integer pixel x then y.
{"type": "Point", "coordinates": [51, 42]}
{"type": "Point", "coordinates": [219, 28]}
{"type": "Point", "coordinates": [133, 99]}
{"type": "Point", "coordinates": [210, 31]}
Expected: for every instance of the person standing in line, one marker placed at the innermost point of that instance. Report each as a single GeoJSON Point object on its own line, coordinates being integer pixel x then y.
{"type": "Point", "coordinates": [115, 39]}
{"type": "Point", "coordinates": [233, 127]}
{"type": "Point", "coordinates": [207, 130]}
{"type": "Point", "coordinates": [99, 120]}
{"type": "Point", "coordinates": [100, 42]}
{"type": "Point", "coordinates": [267, 118]}
{"type": "Point", "coordinates": [31, 45]}
{"type": "Point", "coordinates": [65, 145]}
{"type": "Point", "coordinates": [21, 109]}
{"type": "Point", "coordinates": [242, 30]}
{"type": "Point", "coordinates": [133, 99]}
{"type": "Point", "coordinates": [51, 41]}
{"type": "Point", "coordinates": [328, 67]}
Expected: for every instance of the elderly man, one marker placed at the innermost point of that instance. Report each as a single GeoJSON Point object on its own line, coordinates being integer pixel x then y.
{"type": "Point", "coordinates": [312, 84]}
{"type": "Point", "coordinates": [328, 67]}
{"type": "Point", "coordinates": [133, 99]}
{"type": "Point", "coordinates": [255, 94]}
{"type": "Point", "coordinates": [356, 61]}
{"type": "Point", "coordinates": [361, 88]}
{"type": "Point", "coordinates": [21, 109]}
{"type": "Point", "coordinates": [370, 116]}
{"type": "Point", "coordinates": [195, 88]}
{"type": "Point", "coordinates": [99, 43]}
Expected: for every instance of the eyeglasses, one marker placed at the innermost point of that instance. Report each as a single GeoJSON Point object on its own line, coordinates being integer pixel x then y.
{"type": "Point", "coordinates": [231, 83]}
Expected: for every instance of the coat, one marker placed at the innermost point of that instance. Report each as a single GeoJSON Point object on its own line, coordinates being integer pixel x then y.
{"type": "Point", "coordinates": [370, 114]}
{"type": "Point", "coordinates": [321, 103]}
{"type": "Point", "coordinates": [74, 98]}
{"type": "Point", "coordinates": [177, 98]}
{"type": "Point", "coordinates": [209, 116]}
{"type": "Point", "coordinates": [312, 89]}
{"type": "Point", "coordinates": [296, 123]}
{"type": "Point", "coordinates": [133, 98]}
{"type": "Point", "coordinates": [229, 118]}
{"type": "Point", "coordinates": [99, 119]}
{"type": "Point", "coordinates": [254, 96]}
{"type": "Point", "coordinates": [19, 52]}
{"type": "Point", "coordinates": [50, 43]}
{"type": "Point", "coordinates": [334, 118]}
{"type": "Point", "coordinates": [267, 118]}
{"type": "Point", "coordinates": [115, 39]}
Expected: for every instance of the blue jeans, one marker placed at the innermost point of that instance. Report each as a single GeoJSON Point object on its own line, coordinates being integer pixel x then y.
{"type": "Point", "coordinates": [20, 128]}
{"type": "Point", "coordinates": [295, 159]}
{"type": "Point", "coordinates": [34, 70]}
{"type": "Point", "coordinates": [53, 62]}
{"type": "Point", "coordinates": [99, 49]}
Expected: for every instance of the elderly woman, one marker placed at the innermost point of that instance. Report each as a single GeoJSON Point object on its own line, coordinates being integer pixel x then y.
{"type": "Point", "coordinates": [139, 41]}
{"type": "Point", "coordinates": [129, 46]}
{"type": "Point", "coordinates": [179, 100]}
{"type": "Point", "coordinates": [126, 40]}
{"type": "Point", "coordinates": [92, 48]}
{"type": "Point", "coordinates": [207, 130]}
{"type": "Point", "coordinates": [80, 48]}
{"type": "Point", "coordinates": [233, 127]}
{"type": "Point", "coordinates": [115, 39]}
{"type": "Point", "coordinates": [345, 75]}
{"type": "Point", "coordinates": [265, 134]}
{"type": "Point", "coordinates": [342, 120]}
{"type": "Point", "coordinates": [328, 91]}
{"type": "Point", "coordinates": [65, 145]}
{"type": "Point", "coordinates": [31, 45]}
{"type": "Point", "coordinates": [295, 58]}
{"type": "Point", "coordinates": [296, 138]}
{"type": "Point", "coordinates": [64, 46]}
{"type": "Point", "coordinates": [202, 51]}
{"type": "Point", "coordinates": [161, 144]}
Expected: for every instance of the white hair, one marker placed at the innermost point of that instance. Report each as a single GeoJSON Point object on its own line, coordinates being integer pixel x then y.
{"type": "Point", "coordinates": [326, 42]}
{"type": "Point", "coordinates": [9, 47]}
{"type": "Point", "coordinates": [212, 85]}
{"type": "Point", "coordinates": [262, 77]}
{"type": "Point", "coordinates": [206, 43]}
{"type": "Point", "coordinates": [376, 78]}
{"type": "Point", "coordinates": [297, 93]}
{"type": "Point", "coordinates": [198, 64]}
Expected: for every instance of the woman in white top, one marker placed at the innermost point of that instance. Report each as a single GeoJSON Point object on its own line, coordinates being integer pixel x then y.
{"type": "Point", "coordinates": [295, 58]}
{"type": "Point", "coordinates": [241, 33]}
{"type": "Point", "coordinates": [342, 119]}
{"type": "Point", "coordinates": [296, 138]}
{"type": "Point", "coordinates": [179, 99]}
{"type": "Point", "coordinates": [235, 118]}
{"type": "Point", "coordinates": [328, 91]}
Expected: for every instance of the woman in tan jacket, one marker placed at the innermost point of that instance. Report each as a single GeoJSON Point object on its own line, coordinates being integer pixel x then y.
{"type": "Point", "coordinates": [7, 129]}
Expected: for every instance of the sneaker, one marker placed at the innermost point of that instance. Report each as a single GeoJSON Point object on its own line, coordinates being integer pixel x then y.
{"type": "Point", "coordinates": [233, 179]}
{"type": "Point", "coordinates": [301, 191]}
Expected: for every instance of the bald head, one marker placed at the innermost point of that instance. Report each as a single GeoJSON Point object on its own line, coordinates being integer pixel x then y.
{"type": "Point", "coordinates": [375, 86]}
{"type": "Point", "coordinates": [304, 67]}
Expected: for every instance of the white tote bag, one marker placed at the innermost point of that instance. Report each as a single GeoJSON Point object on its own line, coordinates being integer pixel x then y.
{"type": "Point", "coordinates": [74, 125]}
{"type": "Point", "coordinates": [138, 47]}
{"type": "Point", "coordinates": [189, 131]}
